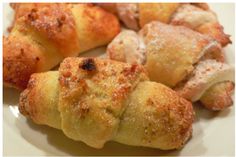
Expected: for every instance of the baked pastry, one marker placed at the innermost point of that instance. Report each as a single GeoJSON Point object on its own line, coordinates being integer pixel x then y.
{"type": "Point", "coordinates": [97, 100]}
{"type": "Point", "coordinates": [43, 34]}
{"type": "Point", "coordinates": [211, 82]}
{"type": "Point", "coordinates": [196, 16]}
{"type": "Point", "coordinates": [172, 55]}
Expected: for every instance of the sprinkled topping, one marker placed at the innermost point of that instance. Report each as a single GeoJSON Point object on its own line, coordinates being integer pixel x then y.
{"type": "Point", "coordinates": [206, 74]}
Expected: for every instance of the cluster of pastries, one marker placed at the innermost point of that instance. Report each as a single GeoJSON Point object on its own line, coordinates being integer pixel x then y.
{"type": "Point", "coordinates": [191, 63]}
{"type": "Point", "coordinates": [141, 95]}
{"type": "Point", "coordinates": [196, 16]}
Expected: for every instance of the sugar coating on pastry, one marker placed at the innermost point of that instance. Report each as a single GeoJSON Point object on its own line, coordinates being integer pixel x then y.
{"type": "Point", "coordinates": [93, 95]}
{"type": "Point", "coordinates": [206, 74]}
{"type": "Point", "coordinates": [163, 119]}
{"type": "Point", "coordinates": [202, 20]}
{"type": "Point", "coordinates": [127, 47]}
{"type": "Point", "coordinates": [172, 51]}
{"type": "Point", "coordinates": [44, 33]}
{"type": "Point", "coordinates": [192, 16]}
{"type": "Point", "coordinates": [218, 96]}
{"type": "Point", "coordinates": [96, 100]}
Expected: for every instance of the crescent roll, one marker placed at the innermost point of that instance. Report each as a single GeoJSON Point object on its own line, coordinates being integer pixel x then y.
{"type": "Point", "coordinates": [173, 55]}
{"type": "Point", "coordinates": [97, 100]}
{"type": "Point", "coordinates": [196, 16]}
{"type": "Point", "coordinates": [43, 34]}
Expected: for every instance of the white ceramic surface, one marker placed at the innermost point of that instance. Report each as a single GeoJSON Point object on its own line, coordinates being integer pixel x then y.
{"type": "Point", "coordinates": [213, 133]}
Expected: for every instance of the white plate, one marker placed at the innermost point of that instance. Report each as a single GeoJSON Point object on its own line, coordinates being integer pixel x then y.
{"type": "Point", "coordinates": [213, 133]}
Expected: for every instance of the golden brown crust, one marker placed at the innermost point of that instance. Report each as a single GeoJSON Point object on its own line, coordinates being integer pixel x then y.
{"type": "Point", "coordinates": [41, 107]}
{"type": "Point", "coordinates": [26, 107]}
{"type": "Point", "coordinates": [18, 63]}
{"type": "Point", "coordinates": [95, 90]}
{"type": "Point", "coordinates": [156, 12]}
{"type": "Point", "coordinates": [94, 26]}
{"type": "Point", "coordinates": [50, 32]}
{"type": "Point", "coordinates": [24, 54]}
{"type": "Point", "coordinates": [22, 9]}
{"type": "Point", "coordinates": [23, 103]}
{"type": "Point", "coordinates": [216, 31]}
{"type": "Point", "coordinates": [100, 100]}
{"type": "Point", "coordinates": [56, 23]}
{"type": "Point", "coordinates": [158, 118]}
{"type": "Point", "coordinates": [69, 25]}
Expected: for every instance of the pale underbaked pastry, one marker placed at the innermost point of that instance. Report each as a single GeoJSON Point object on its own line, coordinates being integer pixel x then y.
{"type": "Point", "coordinates": [196, 16]}
{"type": "Point", "coordinates": [43, 34]}
{"type": "Point", "coordinates": [172, 55]}
{"type": "Point", "coordinates": [97, 100]}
